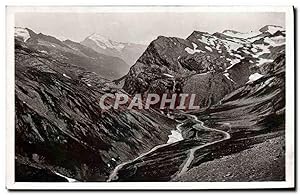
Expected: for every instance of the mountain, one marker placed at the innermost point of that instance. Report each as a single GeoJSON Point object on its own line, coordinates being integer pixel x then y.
{"type": "Point", "coordinates": [210, 65]}
{"type": "Point", "coordinates": [60, 128]}
{"type": "Point", "coordinates": [257, 104]}
{"type": "Point", "coordinates": [62, 133]}
{"type": "Point", "coordinates": [129, 52]}
{"type": "Point", "coordinates": [74, 53]}
{"type": "Point", "coordinates": [250, 117]}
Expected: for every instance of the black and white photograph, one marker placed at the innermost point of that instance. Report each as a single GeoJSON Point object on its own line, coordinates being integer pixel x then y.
{"type": "Point", "coordinates": [100, 97]}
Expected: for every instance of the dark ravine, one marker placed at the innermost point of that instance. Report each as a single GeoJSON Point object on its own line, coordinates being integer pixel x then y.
{"type": "Point", "coordinates": [58, 118]}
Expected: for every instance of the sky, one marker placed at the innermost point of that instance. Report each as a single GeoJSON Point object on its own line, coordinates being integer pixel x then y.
{"type": "Point", "coordinates": [143, 27]}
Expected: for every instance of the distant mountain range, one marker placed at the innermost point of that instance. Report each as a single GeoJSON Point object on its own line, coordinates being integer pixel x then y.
{"type": "Point", "coordinates": [107, 60]}
{"type": "Point", "coordinates": [129, 52]}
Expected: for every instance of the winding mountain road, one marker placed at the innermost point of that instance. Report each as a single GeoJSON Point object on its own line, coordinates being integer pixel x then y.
{"type": "Point", "coordinates": [192, 151]}
{"type": "Point", "coordinates": [197, 125]}
{"type": "Point", "coordinates": [114, 174]}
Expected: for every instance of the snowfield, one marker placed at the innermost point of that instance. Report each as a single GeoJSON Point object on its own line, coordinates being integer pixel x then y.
{"type": "Point", "coordinates": [240, 34]}
{"type": "Point", "coordinates": [104, 42]}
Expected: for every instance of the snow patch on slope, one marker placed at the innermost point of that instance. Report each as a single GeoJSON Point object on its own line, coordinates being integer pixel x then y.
{"type": "Point", "coordinates": [194, 50]}
{"type": "Point", "coordinates": [66, 76]}
{"type": "Point", "coordinates": [233, 62]}
{"type": "Point", "coordinates": [261, 61]}
{"type": "Point", "coordinates": [240, 34]}
{"type": "Point", "coordinates": [254, 77]}
{"type": "Point", "coordinates": [228, 77]}
{"type": "Point", "coordinates": [264, 49]}
{"type": "Point", "coordinates": [168, 75]}
{"type": "Point", "coordinates": [208, 40]}
{"type": "Point", "coordinates": [175, 137]}
{"type": "Point", "coordinates": [208, 48]}
{"type": "Point", "coordinates": [231, 45]}
{"type": "Point", "coordinates": [275, 41]}
{"type": "Point", "coordinates": [68, 178]}
{"type": "Point", "coordinates": [272, 29]}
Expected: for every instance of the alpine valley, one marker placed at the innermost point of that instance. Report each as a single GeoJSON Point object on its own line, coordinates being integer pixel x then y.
{"type": "Point", "coordinates": [63, 135]}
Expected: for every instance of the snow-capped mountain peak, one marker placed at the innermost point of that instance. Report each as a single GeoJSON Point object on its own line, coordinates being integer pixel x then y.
{"type": "Point", "coordinates": [272, 29]}
{"type": "Point", "coordinates": [129, 52]}
{"type": "Point", "coordinates": [105, 42]}
{"type": "Point", "coordinates": [22, 33]}
{"type": "Point", "coordinates": [242, 35]}
{"type": "Point", "coordinates": [235, 46]}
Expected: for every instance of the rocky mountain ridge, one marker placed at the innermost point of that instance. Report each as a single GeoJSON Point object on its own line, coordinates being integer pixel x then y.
{"type": "Point", "coordinates": [68, 51]}
{"type": "Point", "coordinates": [218, 63]}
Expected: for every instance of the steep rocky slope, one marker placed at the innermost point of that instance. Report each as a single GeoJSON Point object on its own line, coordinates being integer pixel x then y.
{"type": "Point", "coordinates": [60, 127]}
{"type": "Point", "coordinates": [258, 104]}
